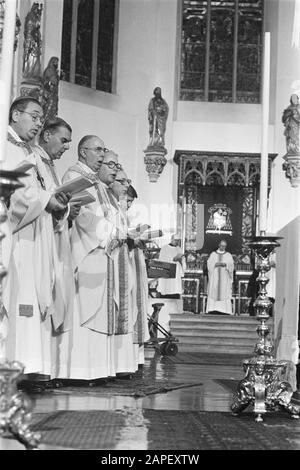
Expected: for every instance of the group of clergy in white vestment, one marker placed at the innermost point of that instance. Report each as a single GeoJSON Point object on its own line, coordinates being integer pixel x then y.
{"type": "Point", "coordinates": [75, 297]}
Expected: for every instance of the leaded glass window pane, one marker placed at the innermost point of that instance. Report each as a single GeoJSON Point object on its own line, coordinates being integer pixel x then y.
{"type": "Point", "coordinates": [249, 51]}
{"type": "Point", "coordinates": [105, 45]}
{"type": "Point", "coordinates": [88, 38]}
{"type": "Point", "coordinates": [84, 43]}
{"type": "Point", "coordinates": [221, 48]}
{"type": "Point", "coordinates": [193, 38]}
{"type": "Point", "coordinates": [221, 51]}
{"type": "Point", "coordinates": [66, 40]}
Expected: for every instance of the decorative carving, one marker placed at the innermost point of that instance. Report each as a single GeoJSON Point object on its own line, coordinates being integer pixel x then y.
{"type": "Point", "coordinates": [209, 168]}
{"type": "Point", "coordinates": [155, 161]}
{"type": "Point", "coordinates": [262, 385]}
{"type": "Point", "coordinates": [220, 168]}
{"type": "Point", "coordinates": [248, 226]}
{"type": "Point", "coordinates": [15, 406]}
{"type": "Point", "coordinates": [263, 388]}
{"type": "Point", "coordinates": [49, 98]}
{"type": "Point", "coordinates": [292, 169]}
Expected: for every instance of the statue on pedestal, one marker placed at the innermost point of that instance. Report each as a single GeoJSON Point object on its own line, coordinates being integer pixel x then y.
{"type": "Point", "coordinates": [291, 121]}
{"type": "Point", "coordinates": [155, 152]}
{"type": "Point", "coordinates": [32, 44]}
{"type": "Point", "coordinates": [158, 111]}
{"type": "Point", "coordinates": [50, 89]}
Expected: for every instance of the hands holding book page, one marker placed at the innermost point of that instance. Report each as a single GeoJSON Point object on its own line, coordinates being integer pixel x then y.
{"type": "Point", "coordinates": [58, 203]}
{"type": "Point", "coordinates": [74, 191]}
{"type": "Point", "coordinates": [74, 186]}
{"type": "Point", "coordinates": [82, 199]}
{"type": "Point", "coordinates": [137, 231]}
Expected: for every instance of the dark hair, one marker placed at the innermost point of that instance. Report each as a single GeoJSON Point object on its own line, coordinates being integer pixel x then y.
{"type": "Point", "coordinates": [21, 104]}
{"type": "Point", "coordinates": [55, 123]}
{"type": "Point", "coordinates": [132, 192]}
{"type": "Point", "coordinates": [84, 140]}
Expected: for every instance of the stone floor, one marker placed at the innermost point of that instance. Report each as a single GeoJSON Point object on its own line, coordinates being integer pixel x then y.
{"type": "Point", "coordinates": [210, 396]}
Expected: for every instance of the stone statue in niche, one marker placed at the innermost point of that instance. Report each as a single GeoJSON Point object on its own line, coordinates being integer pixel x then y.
{"type": "Point", "coordinates": [49, 99]}
{"type": "Point", "coordinates": [32, 45]}
{"type": "Point", "coordinates": [158, 111]}
{"type": "Point", "coordinates": [291, 121]}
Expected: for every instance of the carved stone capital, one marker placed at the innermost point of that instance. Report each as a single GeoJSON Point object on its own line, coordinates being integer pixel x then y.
{"type": "Point", "coordinates": [155, 161]}
{"type": "Point", "coordinates": [291, 167]}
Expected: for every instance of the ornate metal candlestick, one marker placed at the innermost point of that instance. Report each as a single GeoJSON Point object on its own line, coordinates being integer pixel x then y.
{"type": "Point", "coordinates": [262, 385]}
{"type": "Point", "coordinates": [15, 406]}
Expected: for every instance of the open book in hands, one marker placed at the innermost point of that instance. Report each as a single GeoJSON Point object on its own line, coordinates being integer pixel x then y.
{"type": "Point", "coordinates": [82, 199]}
{"type": "Point", "coordinates": [137, 231]}
{"type": "Point", "coordinates": [74, 186]}
{"type": "Point", "coordinates": [150, 234]}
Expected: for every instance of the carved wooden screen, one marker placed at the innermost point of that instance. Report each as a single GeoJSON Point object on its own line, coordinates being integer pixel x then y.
{"type": "Point", "coordinates": [211, 182]}
{"type": "Point", "coordinates": [221, 49]}
{"type": "Point", "coordinates": [88, 43]}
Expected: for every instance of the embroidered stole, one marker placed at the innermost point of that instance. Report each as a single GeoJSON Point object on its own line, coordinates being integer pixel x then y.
{"type": "Point", "coordinates": [29, 150]}
{"type": "Point", "coordinates": [139, 331]}
{"type": "Point", "coordinates": [117, 314]}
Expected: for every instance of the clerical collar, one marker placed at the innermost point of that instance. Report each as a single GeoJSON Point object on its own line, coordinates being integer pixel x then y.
{"type": "Point", "coordinates": [86, 168]}
{"type": "Point", "coordinates": [221, 252]}
{"type": "Point", "coordinates": [14, 134]}
{"type": "Point", "coordinates": [45, 157]}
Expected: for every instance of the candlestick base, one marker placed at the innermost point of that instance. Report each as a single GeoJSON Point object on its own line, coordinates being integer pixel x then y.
{"type": "Point", "coordinates": [15, 406]}
{"type": "Point", "coordinates": [263, 386]}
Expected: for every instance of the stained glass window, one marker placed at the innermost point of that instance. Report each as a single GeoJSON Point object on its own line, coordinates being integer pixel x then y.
{"type": "Point", "coordinates": [221, 48]}
{"type": "Point", "coordinates": [88, 43]}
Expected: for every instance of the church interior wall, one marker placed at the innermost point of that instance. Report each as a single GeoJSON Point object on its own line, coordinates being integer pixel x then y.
{"type": "Point", "coordinates": [148, 36]}
{"type": "Point", "coordinates": [285, 200]}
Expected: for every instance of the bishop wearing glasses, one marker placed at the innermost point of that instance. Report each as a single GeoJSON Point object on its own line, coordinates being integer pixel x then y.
{"type": "Point", "coordinates": [87, 351]}
{"type": "Point", "coordinates": [31, 270]}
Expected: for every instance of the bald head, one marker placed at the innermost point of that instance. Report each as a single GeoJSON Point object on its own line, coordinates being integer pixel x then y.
{"type": "Point", "coordinates": [91, 151]}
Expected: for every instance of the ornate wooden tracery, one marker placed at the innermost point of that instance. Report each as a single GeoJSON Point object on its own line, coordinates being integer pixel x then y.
{"type": "Point", "coordinates": [209, 172]}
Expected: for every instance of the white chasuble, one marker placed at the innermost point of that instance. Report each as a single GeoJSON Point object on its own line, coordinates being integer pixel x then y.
{"type": "Point", "coordinates": [219, 289]}
{"type": "Point", "coordinates": [64, 282]}
{"type": "Point", "coordinates": [30, 279]}
{"type": "Point", "coordinates": [100, 307]}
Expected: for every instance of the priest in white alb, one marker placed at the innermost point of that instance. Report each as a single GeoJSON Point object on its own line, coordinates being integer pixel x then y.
{"type": "Point", "coordinates": [220, 266]}
{"type": "Point", "coordinates": [54, 140]}
{"type": "Point", "coordinates": [28, 297]}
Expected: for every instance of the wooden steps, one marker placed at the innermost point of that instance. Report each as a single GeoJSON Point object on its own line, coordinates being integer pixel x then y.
{"type": "Point", "coordinates": [216, 333]}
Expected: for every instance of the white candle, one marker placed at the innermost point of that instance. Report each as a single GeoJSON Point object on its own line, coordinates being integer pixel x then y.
{"type": "Point", "coordinates": [263, 190]}
{"type": "Point", "coordinates": [6, 66]}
